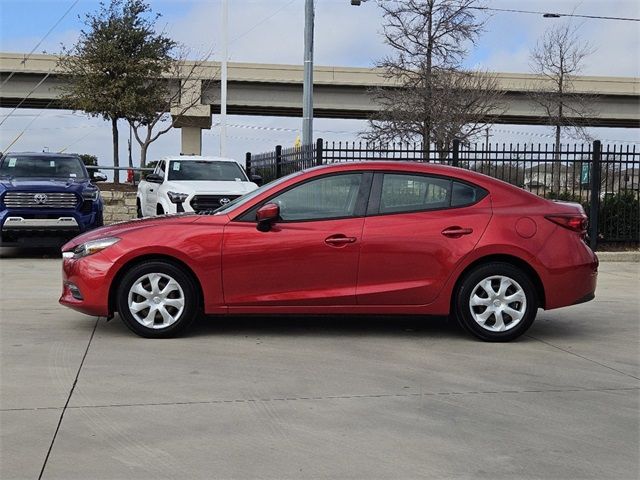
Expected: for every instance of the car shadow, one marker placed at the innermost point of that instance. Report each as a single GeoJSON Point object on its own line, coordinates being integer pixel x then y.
{"type": "Point", "coordinates": [30, 252]}
{"type": "Point", "coordinates": [326, 325]}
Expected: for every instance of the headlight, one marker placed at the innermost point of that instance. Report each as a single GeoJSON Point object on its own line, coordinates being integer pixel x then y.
{"type": "Point", "coordinates": [176, 197]}
{"type": "Point", "coordinates": [91, 247]}
{"type": "Point", "coordinates": [90, 194]}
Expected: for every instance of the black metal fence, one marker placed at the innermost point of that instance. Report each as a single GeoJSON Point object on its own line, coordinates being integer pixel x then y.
{"type": "Point", "coordinates": [610, 174]}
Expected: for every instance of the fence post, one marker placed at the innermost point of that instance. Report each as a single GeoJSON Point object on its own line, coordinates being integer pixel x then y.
{"type": "Point", "coordinates": [278, 161]}
{"type": "Point", "coordinates": [456, 152]}
{"type": "Point", "coordinates": [247, 164]}
{"type": "Point", "coordinates": [595, 194]}
{"type": "Point", "coordinates": [319, 151]}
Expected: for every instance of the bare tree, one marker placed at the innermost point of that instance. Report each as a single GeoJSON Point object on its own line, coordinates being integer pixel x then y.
{"type": "Point", "coordinates": [173, 99]}
{"type": "Point", "coordinates": [430, 96]}
{"type": "Point", "coordinates": [558, 57]}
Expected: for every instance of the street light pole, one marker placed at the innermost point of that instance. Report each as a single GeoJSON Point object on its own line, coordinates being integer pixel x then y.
{"type": "Point", "coordinates": [307, 88]}
{"type": "Point", "coordinates": [223, 79]}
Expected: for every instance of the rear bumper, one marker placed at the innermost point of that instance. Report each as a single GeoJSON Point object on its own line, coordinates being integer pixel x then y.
{"type": "Point", "coordinates": [572, 283]}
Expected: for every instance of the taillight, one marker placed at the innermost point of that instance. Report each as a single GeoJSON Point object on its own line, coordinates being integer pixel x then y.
{"type": "Point", "coordinates": [577, 223]}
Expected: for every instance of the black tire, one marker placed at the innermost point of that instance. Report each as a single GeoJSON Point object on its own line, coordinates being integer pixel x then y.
{"type": "Point", "coordinates": [470, 285]}
{"type": "Point", "coordinates": [138, 208]}
{"type": "Point", "coordinates": [188, 295]}
{"type": "Point", "coordinates": [100, 219]}
{"type": "Point", "coordinates": [159, 210]}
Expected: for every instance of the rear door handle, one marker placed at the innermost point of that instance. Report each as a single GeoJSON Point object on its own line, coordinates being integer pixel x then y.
{"type": "Point", "coordinates": [339, 240]}
{"type": "Point", "coordinates": [456, 232]}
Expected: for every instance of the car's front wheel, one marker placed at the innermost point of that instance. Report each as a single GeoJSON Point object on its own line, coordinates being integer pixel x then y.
{"type": "Point", "coordinates": [496, 302]}
{"type": "Point", "coordinates": [157, 299]}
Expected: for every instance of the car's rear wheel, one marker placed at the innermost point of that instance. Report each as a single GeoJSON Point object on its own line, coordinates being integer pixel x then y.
{"type": "Point", "coordinates": [157, 299]}
{"type": "Point", "coordinates": [138, 209]}
{"type": "Point", "coordinates": [159, 210]}
{"type": "Point", "coordinates": [496, 302]}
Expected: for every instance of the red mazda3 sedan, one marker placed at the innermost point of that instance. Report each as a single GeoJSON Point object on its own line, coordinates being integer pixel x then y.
{"type": "Point", "coordinates": [352, 238]}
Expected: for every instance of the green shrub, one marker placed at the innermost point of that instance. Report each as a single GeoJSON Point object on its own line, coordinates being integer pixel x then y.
{"type": "Point", "coordinates": [619, 217]}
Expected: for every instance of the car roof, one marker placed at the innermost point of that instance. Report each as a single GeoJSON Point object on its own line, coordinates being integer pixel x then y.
{"type": "Point", "coordinates": [199, 158]}
{"type": "Point", "coordinates": [480, 179]}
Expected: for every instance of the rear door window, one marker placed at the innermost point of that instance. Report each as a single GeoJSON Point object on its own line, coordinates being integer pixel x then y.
{"type": "Point", "coordinates": [400, 193]}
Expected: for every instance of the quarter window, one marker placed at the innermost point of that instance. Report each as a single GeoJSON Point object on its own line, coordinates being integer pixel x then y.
{"type": "Point", "coordinates": [464, 194]}
{"type": "Point", "coordinates": [328, 197]}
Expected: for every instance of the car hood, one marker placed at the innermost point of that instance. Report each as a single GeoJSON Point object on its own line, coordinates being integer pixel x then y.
{"type": "Point", "coordinates": [24, 184]}
{"type": "Point", "coordinates": [123, 228]}
{"type": "Point", "coordinates": [209, 187]}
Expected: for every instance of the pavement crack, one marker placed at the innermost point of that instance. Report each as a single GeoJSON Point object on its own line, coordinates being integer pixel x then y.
{"type": "Point", "coordinates": [582, 357]}
{"type": "Point", "coordinates": [66, 405]}
{"type": "Point", "coordinates": [329, 397]}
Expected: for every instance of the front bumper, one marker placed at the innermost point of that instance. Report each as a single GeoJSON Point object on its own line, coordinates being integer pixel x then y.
{"type": "Point", "coordinates": [27, 226]}
{"type": "Point", "coordinates": [85, 284]}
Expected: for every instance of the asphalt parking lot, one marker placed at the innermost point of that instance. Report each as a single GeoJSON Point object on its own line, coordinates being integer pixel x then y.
{"type": "Point", "coordinates": [315, 397]}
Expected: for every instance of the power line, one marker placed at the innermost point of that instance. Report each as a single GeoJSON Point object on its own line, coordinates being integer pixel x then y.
{"type": "Point", "coordinates": [23, 100]}
{"type": "Point", "coordinates": [43, 39]}
{"type": "Point", "coordinates": [261, 22]}
{"type": "Point", "coordinates": [557, 15]}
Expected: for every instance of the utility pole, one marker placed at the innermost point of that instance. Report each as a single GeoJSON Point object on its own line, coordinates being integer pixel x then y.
{"type": "Point", "coordinates": [223, 79]}
{"type": "Point", "coordinates": [307, 88]}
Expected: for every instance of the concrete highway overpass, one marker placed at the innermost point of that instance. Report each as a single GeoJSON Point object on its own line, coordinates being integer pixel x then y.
{"type": "Point", "coordinates": [339, 92]}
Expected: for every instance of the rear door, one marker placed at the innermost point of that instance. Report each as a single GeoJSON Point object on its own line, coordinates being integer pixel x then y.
{"type": "Point", "coordinates": [310, 255]}
{"type": "Point", "coordinates": [418, 227]}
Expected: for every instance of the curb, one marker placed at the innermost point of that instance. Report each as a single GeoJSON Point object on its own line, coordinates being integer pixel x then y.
{"type": "Point", "coordinates": [633, 256]}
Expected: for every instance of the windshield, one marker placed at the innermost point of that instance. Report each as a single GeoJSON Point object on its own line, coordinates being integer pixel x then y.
{"type": "Point", "coordinates": [206, 170]}
{"type": "Point", "coordinates": [238, 202]}
{"type": "Point", "coordinates": [42, 166]}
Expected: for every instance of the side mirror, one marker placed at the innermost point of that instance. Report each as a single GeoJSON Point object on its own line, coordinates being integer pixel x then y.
{"type": "Point", "coordinates": [154, 178]}
{"type": "Point", "coordinates": [257, 179]}
{"type": "Point", "coordinates": [266, 216]}
{"type": "Point", "coordinates": [99, 177]}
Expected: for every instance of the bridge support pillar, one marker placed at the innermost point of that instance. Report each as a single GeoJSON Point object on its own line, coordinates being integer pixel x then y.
{"type": "Point", "coordinates": [191, 115]}
{"type": "Point", "coordinates": [191, 141]}
{"type": "Point", "coordinates": [191, 134]}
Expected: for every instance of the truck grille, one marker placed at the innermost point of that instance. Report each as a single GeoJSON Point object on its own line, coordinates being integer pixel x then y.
{"type": "Point", "coordinates": [210, 202]}
{"type": "Point", "coordinates": [40, 200]}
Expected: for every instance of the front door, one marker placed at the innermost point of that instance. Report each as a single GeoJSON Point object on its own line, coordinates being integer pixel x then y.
{"type": "Point", "coordinates": [309, 257]}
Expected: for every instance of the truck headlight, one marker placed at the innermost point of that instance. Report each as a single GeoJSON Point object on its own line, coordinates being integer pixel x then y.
{"type": "Point", "coordinates": [176, 197]}
{"type": "Point", "coordinates": [90, 247]}
{"type": "Point", "coordinates": [90, 194]}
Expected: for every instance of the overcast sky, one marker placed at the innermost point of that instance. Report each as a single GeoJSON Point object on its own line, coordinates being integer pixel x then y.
{"type": "Point", "coordinates": [271, 31]}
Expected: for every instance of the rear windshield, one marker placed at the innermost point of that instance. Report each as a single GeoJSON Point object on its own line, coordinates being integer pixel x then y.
{"type": "Point", "coordinates": [47, 167]}
{"type": "Point", "coordinates": [206, 170]}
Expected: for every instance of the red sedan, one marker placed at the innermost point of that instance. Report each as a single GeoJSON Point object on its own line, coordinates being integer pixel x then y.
{"type": "Point", "coordinates": [353, 238]}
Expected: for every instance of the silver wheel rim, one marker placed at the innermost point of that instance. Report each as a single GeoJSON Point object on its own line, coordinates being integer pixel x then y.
{"type": "Point", "coordinates": [498, 303]}
{"type": "Point", "coordinates": [156, 300]}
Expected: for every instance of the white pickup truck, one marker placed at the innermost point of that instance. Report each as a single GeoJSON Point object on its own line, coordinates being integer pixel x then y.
{"type": "Point", "coordinates": [192, 183]}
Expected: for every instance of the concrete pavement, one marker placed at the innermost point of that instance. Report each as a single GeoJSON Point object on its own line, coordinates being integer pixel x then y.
{"type": "Point", "coordinates": [316, 398]}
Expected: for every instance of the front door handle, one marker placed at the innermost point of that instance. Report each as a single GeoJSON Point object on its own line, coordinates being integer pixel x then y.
{"type": "Point", "coordinates": [339, 240]}
{"type": "Point", "coordinates": [456, 232]}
